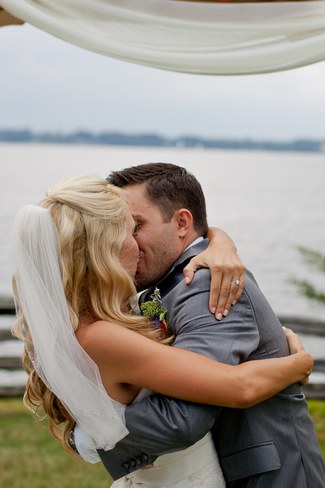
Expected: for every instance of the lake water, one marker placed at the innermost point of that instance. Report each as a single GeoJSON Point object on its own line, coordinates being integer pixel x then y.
{"type": "Point", "coordinates": [268, 202]}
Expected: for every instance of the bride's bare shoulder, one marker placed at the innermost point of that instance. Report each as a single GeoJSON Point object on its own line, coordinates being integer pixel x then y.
{"type": "Point", "coordinates": [102, 336]}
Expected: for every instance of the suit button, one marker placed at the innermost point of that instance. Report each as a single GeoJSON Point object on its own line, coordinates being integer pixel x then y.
{"type": "Point", "coordinates": [132, 463]}
{"type": "Point", "coordinates": [125, 466]}
{"type": "Point", "coordinates": [138, 461]}
{"type": "Point", "coordinates": [144, 457]}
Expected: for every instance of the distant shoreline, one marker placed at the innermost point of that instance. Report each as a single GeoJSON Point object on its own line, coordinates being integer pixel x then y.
{"type": "Point", "coordinates": [155, 140]}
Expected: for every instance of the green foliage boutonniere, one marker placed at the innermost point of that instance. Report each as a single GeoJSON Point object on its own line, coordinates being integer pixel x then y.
{"type": "Point", "coordinates": [154, 310]}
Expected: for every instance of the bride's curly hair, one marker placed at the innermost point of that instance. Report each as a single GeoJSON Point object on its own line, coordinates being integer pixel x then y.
{"type": "Point", "coordinates": [90, 218]}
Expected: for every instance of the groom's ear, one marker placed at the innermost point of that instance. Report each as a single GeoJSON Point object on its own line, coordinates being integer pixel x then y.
{"type": "Point", "coordinates": [184, 221]}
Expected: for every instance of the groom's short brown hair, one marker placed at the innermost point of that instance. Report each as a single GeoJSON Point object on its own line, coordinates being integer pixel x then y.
{"type": "Point", "coordinates": [168, 186]}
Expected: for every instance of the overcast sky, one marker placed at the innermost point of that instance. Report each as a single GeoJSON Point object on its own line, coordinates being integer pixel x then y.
{"type": "Point", "coordinates": [47, 84]}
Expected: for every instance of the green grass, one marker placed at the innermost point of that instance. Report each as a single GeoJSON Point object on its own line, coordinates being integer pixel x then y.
{"type": "Point", "coordinates": [31, 458]}
{"type": "Point", "coordinates": [317, 411]}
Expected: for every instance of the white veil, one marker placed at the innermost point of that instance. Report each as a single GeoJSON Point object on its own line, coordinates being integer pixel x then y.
{"type": "Point", "coordinates": [56, 354]}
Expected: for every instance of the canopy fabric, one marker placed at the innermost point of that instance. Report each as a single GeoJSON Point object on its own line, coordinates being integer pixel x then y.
{"type": "Point", "coordinates": [192, 37]}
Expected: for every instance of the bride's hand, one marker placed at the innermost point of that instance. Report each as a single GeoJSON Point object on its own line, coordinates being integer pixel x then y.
{"type": "Point", "coordinates": [226, 268]}
{"type": "Point", "coordinates": [295, 345]}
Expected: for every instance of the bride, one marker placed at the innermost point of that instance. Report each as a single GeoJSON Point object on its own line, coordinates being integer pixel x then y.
{"type": "Point", "coordinates": [88, 355]}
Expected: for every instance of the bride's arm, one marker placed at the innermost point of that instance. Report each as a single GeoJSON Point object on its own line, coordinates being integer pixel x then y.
{"type": "Point", "coordinates": [123, 356]}
{"type": "Point", "coordinates": [225, 267]}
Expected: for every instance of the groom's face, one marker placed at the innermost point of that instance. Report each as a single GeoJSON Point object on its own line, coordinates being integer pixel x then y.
{"type": "Point", "coordinates": [157, 239]}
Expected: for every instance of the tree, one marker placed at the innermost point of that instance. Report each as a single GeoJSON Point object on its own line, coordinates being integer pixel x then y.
{"type": "Point", "coordinates": [317, 261]}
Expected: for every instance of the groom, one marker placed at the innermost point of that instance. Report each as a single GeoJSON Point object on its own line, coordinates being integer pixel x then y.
{"type": "Point", "coordinates": [270, 445]}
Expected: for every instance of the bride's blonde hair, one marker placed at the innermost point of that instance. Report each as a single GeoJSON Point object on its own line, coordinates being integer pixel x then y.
{"type": "Point", "coordinates": [90, 218]}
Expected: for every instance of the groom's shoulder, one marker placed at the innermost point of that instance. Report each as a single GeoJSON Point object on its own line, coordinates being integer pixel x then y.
{"type": "Point", "coordinates": [179, 291]}
{"type": "Point", "coordinates": [251, 286]}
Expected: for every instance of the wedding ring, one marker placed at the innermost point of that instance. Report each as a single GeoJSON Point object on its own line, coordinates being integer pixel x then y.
{"type": "Point", "coordinates": [235, 282]}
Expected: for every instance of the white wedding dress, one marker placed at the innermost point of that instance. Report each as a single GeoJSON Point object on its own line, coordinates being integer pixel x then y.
{"type": "Point", "coordinates": [194, 467]}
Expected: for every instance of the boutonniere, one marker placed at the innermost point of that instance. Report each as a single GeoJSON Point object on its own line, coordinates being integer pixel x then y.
{"type": "Point", "coordinates": [154, 310]}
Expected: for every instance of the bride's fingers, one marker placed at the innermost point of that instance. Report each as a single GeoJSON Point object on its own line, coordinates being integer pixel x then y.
{"type": "Point", "coordinates": [294, 341]}
{"type": "Point", "coordinates": [240, 288]}
{"type": "Point", "coordinates": [305, 381]}
{"type": "Point", "coordinates": [295, 345]}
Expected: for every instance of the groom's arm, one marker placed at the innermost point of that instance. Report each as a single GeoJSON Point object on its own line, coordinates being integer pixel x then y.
{"type": "Point", "coordinates": [158, 424]}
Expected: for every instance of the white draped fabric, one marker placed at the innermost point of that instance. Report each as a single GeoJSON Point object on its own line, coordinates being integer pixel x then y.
{"type": "Point", "coordinates": [205, 38]}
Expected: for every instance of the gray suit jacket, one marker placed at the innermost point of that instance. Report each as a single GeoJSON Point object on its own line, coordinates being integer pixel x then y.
{"type": "Point", "coordinates": [270, 445]}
